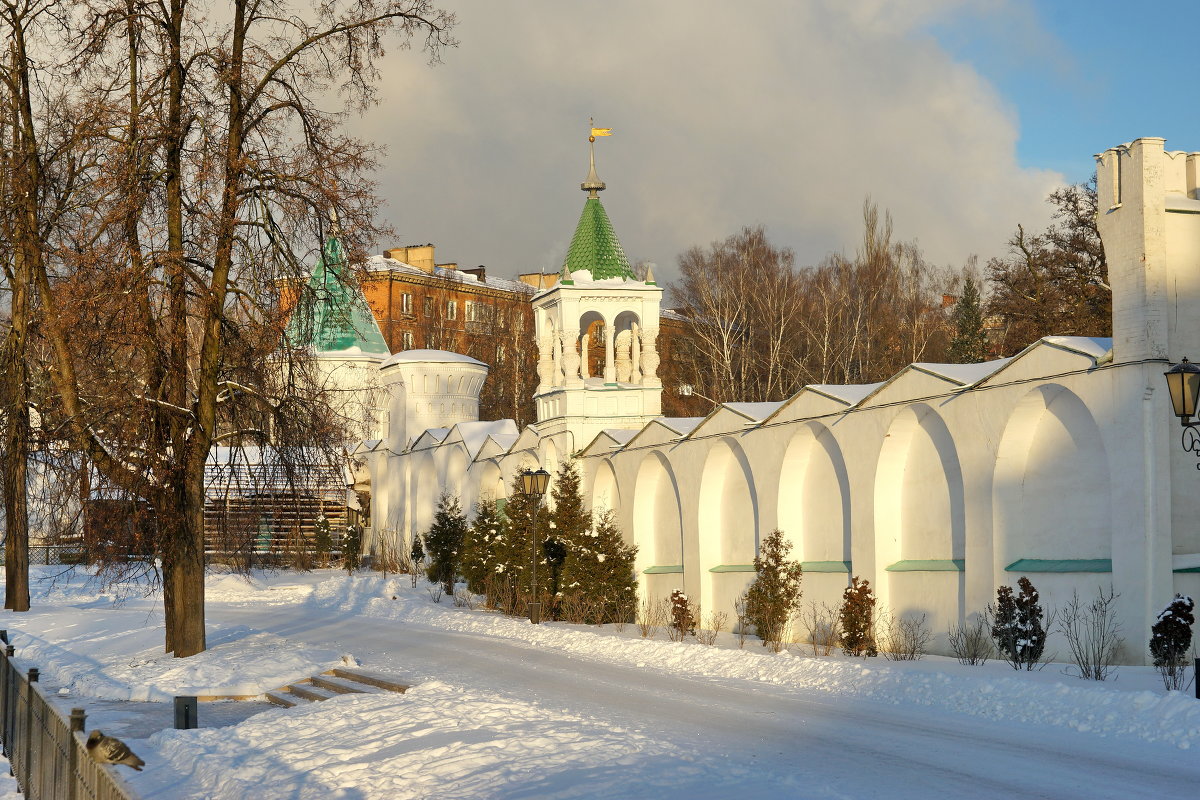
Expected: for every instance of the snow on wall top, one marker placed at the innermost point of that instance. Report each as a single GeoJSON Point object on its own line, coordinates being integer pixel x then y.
{"type": "Point", "coordinates": [431, 356]}
{"type": "Point", "coordinates": [965, 374]}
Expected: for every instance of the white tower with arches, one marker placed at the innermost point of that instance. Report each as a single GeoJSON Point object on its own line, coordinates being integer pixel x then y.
{"type": "Point", "coordinates": [597, 333]}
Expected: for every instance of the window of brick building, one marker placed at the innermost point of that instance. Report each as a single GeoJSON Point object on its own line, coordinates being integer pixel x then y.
{"type": "Point", "coordinates": [429, 306]}
{"type": "Point", "coordinates": [406, 304]}
{"type": "Point", "coordinates": [452, 309]}
{"type": "Point", "coordinates": [406, 339]}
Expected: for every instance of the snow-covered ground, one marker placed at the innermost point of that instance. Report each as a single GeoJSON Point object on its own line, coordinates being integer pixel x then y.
{"type": "Point", "coordinates": [501, 708]}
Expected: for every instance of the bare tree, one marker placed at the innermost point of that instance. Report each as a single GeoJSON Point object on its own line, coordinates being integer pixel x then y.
{"type": "Point", "coordinates": [222, 175]}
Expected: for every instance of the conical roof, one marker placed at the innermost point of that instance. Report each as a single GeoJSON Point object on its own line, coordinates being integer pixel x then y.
{"type": "Point", "coordinates": [595, 246]}
{"type": "Point", "coordinates": [332, 315]}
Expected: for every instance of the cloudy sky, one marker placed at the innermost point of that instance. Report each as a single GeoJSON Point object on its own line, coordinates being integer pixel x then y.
{"type": "Point", "coordinates": [959, 116]}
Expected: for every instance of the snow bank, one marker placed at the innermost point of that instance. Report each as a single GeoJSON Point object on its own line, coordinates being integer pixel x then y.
{"type": "Point", "coordinates": [1095, 708]}
{"type": "Point", "coordinates": [434, 741]}
{"type": "Point", "coordinates": [238, 662]}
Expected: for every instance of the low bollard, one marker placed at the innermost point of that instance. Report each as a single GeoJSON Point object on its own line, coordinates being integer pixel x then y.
{"type": "Point", "coordinates": [186, 715]}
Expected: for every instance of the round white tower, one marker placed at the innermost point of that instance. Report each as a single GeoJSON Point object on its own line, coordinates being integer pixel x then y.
{"type": "Point", "coordinates": [430, 389]}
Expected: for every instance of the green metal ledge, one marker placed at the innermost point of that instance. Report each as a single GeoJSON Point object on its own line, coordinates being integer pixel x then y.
{"type": "Point", "coordinates": [929, 565]}
{"type": "Point", "coordinates": [825, 566]}
{"type": "Point", "coordinates": [733, 568]}
{"type": "Point", "coordinates": [1185, 569]}
{"type": "Point", "coordinates": [663, 570]}
{"type": "Point", "coordinates": [1060, 565]}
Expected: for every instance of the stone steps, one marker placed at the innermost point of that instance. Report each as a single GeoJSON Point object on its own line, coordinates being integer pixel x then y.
{"type": "Point", "coordinates": [333, 683]}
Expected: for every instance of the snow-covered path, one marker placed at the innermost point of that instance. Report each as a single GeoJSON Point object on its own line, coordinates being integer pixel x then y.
{"type": "Point", "coordinates": [757, 739]}
{"type": "Point", "coordinates": [503, 709]}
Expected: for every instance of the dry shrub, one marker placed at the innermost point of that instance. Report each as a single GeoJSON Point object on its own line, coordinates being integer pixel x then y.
{"type": "Point", "coordinates": [823, 624]}
{"type": "Point", "coordinates": [742, 612]}
{"type": "Point", "coordinates": [903, 638]}
{"type": "Point", "coordinates": [972, 641]}
{"type": "Point", "coordinates": [1092, 633]}
{"type": "Point", "coordinates": [465, 598]}
{"type": "Point", "coordinates": [578, 608]}
{"type": "Point", "coordinates": [713, 623]}
{"type": "Point", "coordinates": [436, 590]}
{"type": "Point", "coordinates": [651, 616]}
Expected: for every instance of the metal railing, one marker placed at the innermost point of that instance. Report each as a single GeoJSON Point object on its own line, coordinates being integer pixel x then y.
{"type": "Point", "coordinates": [48, 754]}
{"type": "Point", "coordinates": [46, 555]}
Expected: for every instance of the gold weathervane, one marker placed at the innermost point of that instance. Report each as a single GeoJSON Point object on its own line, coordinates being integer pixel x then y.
{"type": "Point", "coordinates": [597, 131]}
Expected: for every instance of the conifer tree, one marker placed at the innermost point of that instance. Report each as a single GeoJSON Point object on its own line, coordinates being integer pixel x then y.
{"type": "Point", "coordinates": [351, 544]}
{"type": "Point", "coordinates": [323, 541]}
{"type": "Point", "coordinates": [600, 565]}
{"type": "Point", "coordinates": [1018, 625]}
{"type": "Point", "coordinates": [480, 548]}
{"type": "Point", "coordinates": [775, 594]}
{"type": "Point", "coordinates": [444, 542]}
{"type": "Point", "coordinates": [568, 522]}
{"type": "Point", "coordinates": [1170, 638]}
{"type": "Point", "coordinates": [515, 556]}
{"type": "Point", "coordinates": [858, 619]}
{"type": "Point", "coordinates": [970, 342]}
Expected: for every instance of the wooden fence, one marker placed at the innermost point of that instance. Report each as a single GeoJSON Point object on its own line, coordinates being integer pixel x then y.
{"type": "Point", "coordinates": [48, 754]}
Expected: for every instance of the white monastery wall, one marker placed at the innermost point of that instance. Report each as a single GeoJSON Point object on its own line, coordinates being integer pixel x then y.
{"type": "Point", "coordinates": [937, 486]}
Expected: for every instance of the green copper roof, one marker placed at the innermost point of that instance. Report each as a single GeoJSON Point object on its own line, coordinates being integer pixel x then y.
{"type": "Point", "coordinates": [331, 315]}
{"type": "Point", "coordinates": [595, 246]}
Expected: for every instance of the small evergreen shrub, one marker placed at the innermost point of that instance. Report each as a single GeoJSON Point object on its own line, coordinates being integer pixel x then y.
{"type": "Point", "coordinates": [775, 594]}
{"type": "Point", "coordinates": [683, 620]}
{"type": "Point", "coordinates": [444, 542]}
{"type": "Point", "coordinates": [322, 541]}
{"type": "Point", "coordinates": [1019, 625]}
{"type": "Point", "coordinates": [351, 547]}
{"type": "Point", "coordinates": [599, 564]}
{"type": "Point", "coordinates": [481, 545]}
{"type": "Point", "coordinates": [858, 619]}
{"type": "Point", "coordinates": [1170, 639]}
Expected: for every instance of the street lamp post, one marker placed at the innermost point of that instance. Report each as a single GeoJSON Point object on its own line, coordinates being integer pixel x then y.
{"type": "Point", "coordinates": [533, 487]}
{"type": "Point", "coordinates": [1183, 383]}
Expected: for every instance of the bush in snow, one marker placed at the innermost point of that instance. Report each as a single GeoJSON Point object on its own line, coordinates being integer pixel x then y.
{"type": "Point", "coordinates": [444, 542]}
{"type": "Point", "coordinates": [824, 625]}
{"type": "Point", "coordinates": [568, 523]}
{"type": "Point", "coordinates": [904, 638]}
{"type": "Point", "coordinates": [651, 615]}
{"type": "Point", "coordinates": [972, 641]}
{"type": "Point", "coordinates": [599, 564]}
{"type": "Point", "coordinates": [1170, 639]}
{"type": "Point", "coordinates": [480, 545]}
{"type": "Point", "coordinates": [858, 619]}
{"type": "Point", "coordinates": [1092, 633]}
{"type": "Point", "coordinates": [775, 594]}
{"type": "Point", "coordinates": [322, 541]}
{"type": "Point", "coordinates": [683, 617]}
{"type": "Point", "coordinates": [417, 553]}
{"type": "Point", "coordinates": [351, 547]}
{"type": "Point", "coordinates": [1018, 625]}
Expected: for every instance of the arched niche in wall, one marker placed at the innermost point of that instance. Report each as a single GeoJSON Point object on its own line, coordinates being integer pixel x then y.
{"type": "Point", "coordinates": [454, 478]}
{"type": "Point", "coordinates": [1051, 493]}
{"type": "Point", "coordinates": [606, 495]}
{"type": "Point", "coordinates": [657, 527]}
{"type": "Point", "coordinates": [591, 354]}
{"type": "Point", "coordinates": [491, 482]}
{"type": "Point", "coordinates": [728, 526]}
{"type": "Point", "coordinates": [426, 490]}
{"type": "Point", "coordinates": [814, 509]}
{"type": "Point", "coordinates": [920, 520]}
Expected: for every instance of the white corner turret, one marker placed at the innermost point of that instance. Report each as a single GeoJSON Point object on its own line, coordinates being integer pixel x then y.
{"type": "Point", "coordinates": [430, 389]}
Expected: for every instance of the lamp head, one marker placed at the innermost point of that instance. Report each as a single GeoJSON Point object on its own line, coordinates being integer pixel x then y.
{"type": "Point", "coordinates": [1183, 383]}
